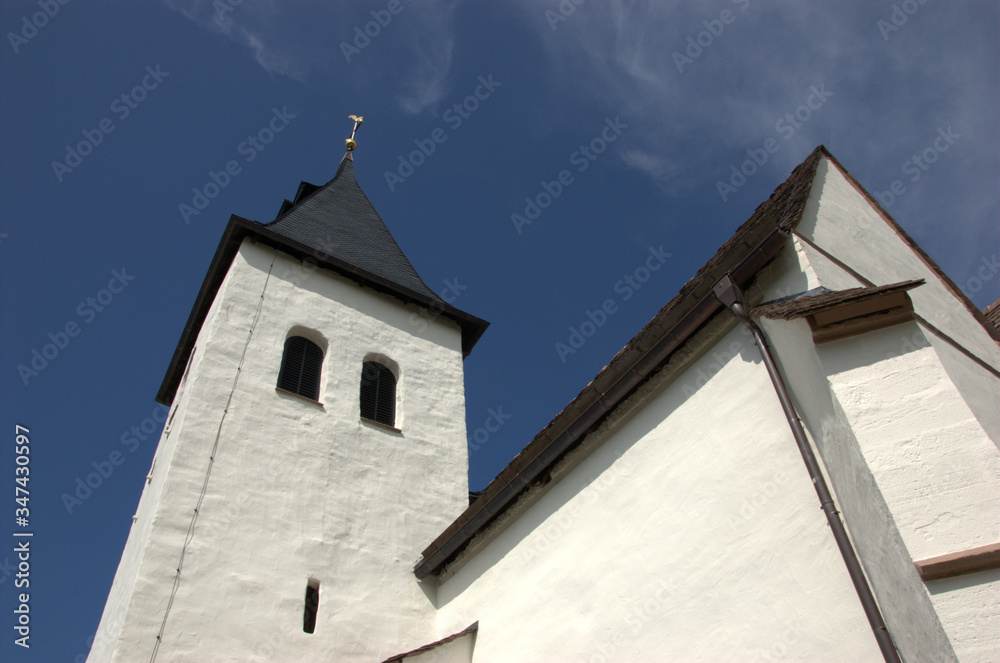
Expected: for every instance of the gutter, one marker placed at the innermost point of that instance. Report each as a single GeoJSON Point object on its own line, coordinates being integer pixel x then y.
{"type": "Point", "coordinates": [729, 293]}
{"type": "Point", "coordinates": [485, 509]}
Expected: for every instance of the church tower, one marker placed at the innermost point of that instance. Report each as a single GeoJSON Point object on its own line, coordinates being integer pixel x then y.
{"type": "Point", "coordinates": [316, 439]}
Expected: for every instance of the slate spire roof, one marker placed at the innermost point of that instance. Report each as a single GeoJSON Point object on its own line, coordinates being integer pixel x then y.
{"type": "Point", "coordinates": [338, 220]}
{"type": "Point", "coordinates": [336, 227]}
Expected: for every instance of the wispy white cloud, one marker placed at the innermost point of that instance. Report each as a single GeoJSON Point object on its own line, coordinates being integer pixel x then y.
{"type": "Point", "coordinates": [251, 23]}
{"type": "Point", "coordinates": [708, 89]}
{"type": "Point", "coordinates": [429, 41]}
{"type": "Point", "coordinates": [409, 51]}
{"type": "Point", "coordinates": [642, 160]}
{"type": "Point", "coordinates": [670, 175]}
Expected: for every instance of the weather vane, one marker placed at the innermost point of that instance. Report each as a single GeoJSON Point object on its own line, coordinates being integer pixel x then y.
{"type": "Point", "coordinates": [350, 143]}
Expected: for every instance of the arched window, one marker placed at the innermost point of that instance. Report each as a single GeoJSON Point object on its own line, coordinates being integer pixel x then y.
{"type": "Point", "coordinates": [378, 393]}
{"type": "Point", "coordinates": [300, 367]}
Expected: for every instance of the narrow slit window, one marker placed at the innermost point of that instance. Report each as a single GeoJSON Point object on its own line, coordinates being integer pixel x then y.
{"type": "Point", "coordinates": [378, 393]}
{"type": "Point", "coordinates": [301, 364]}
{"type": "Point", "coordinates": [312, 606]}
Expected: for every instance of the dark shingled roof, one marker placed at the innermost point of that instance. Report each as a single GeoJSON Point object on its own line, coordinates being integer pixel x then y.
{"type": "Point", "coordinates": [335, 227]}
{"type": "Point", "coordinates": [780, 212]}
{"type": "Point", "coordinates": [803, 306]}
{"type": "Point", "coordinates": [338, 220]}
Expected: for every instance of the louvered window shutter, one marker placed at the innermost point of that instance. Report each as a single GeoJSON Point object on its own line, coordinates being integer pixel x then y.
{"type": "Point", "coordinates": [300, 367]}
{"type": "Point", "coordinates": [378, 393]}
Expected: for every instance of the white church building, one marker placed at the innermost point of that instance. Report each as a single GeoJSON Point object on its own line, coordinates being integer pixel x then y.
{"type": "Point", "coordinates": [796, 459]}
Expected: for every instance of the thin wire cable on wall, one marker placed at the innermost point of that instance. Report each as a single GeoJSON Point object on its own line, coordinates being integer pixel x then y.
{"type": "Point", "coordinates": [189, 536]}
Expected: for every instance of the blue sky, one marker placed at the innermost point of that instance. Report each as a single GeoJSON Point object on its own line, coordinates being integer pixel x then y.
{"type": "Point", "coordinates": [621, 121]}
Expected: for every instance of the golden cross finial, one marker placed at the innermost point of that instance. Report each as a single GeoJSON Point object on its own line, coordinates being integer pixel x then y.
{"type": "Point", "coordinates": [350, 143]}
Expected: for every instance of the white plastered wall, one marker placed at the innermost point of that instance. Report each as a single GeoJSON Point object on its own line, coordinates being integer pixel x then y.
{"type": "Point", "coordinates": [936, 468]}
{"type": "Point", "coordinates": [297, 491]}
{"type": "Point", "coordinates": [906, 607]}
{"type": "Point", "coordinates": [459, 650]}
{"type": "Point", "coordinates": [840, 220]}
{"type": "Point", "coordinates": [125, 601]}
{"type": "Point", "coordinates": [559, 555]}
{"type": "Point", "coordinates": [691, 533]}
{"type": "Point", "coordinates": [914, 414]}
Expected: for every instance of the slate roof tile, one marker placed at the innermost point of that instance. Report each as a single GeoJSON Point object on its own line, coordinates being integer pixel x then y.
{"type": "Point", "coordinates": [338, 220]}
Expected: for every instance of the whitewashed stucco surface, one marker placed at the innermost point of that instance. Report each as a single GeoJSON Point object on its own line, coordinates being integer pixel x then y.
{"type": "Point", "coordinates": [599, 547]}
{"type": "Point", "coordinates": [689, 530]}
{"type": "Point", "coordinates": [936, 468]}
{"type": "Point", "coordinates": [692, 533]}
{"type": "Point", "coordinates": [907, 426]}
{"type": "Point", "coordinates": [459, 650]}
{"type": "Point", "coordinates": [297, 490]}
{"type": "Point", "coordinates": [841, 221]}
{"type": "Point", "coordinates": [968, 605]}
{"type": "Point", "coordinates": [905, 604]}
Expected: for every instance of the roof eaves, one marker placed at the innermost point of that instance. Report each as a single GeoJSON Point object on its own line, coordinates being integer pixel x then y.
{"type": "Point", "coordinates": [753, 245]}
{"type": "Point", "coordinates": [236, 231]}
{"type": "Point", "coordinates": [217, 268]}
{"type": "Point", "coordinates": [476, 326]}
{"type": "Point", "coordinates": [833, 316]}
{"type": "Point", "coordinates": [790, 309]}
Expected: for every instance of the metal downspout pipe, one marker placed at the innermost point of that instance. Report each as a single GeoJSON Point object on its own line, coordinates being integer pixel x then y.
{"type": "Point", "coordinates": [727, 292]}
